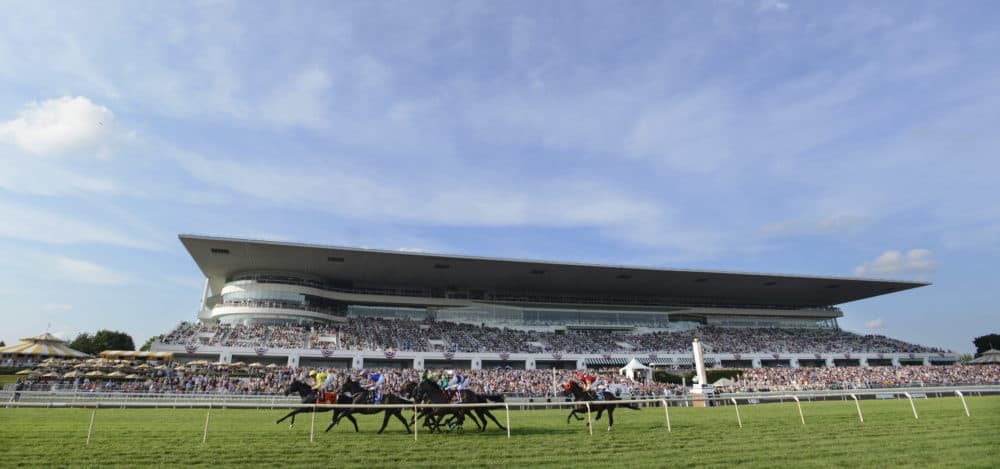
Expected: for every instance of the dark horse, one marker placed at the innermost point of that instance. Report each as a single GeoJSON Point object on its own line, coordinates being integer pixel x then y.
{"type": "Point", "coordinates": [429, 392]}
{"type": "Point", "coordinates": [608, 404]}
{"type": "Point", "coordinates": [360, 395]}
{"type": "Point", "coordinates": [308, 396]}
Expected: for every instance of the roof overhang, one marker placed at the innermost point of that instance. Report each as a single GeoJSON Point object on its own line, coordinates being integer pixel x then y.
{"type": "Point", "coordinates": [219, 258]}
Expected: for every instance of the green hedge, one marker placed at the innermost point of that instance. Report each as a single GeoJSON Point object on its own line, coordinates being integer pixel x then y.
{"type": "Point", "coordinates": [9, 370]}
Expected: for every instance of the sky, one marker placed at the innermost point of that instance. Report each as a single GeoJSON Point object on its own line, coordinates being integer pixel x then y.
{"type": "Point", "coordinates": [780, 136]}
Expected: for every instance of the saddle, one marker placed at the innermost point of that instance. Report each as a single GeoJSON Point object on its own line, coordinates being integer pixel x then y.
{"type": "Point", "coordinates": [326, 397]}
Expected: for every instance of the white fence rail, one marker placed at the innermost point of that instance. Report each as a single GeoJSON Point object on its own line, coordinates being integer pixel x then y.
{"type": "Point", "coordinates": [666, 403]}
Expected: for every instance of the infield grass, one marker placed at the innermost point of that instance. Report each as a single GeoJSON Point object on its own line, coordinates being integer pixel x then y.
{"type": "Point", "coordinates": [772, 436]}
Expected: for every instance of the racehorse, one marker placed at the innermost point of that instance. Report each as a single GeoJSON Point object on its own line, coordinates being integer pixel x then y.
{"type": "Point", "coordinates": [360, 395]}
{"type": "Point", "coordinates": [429, 392]}
{"type": "Point", "coordinates": [308, 395]}
{"type": "Point", "coordinates": [608, 404]}
{"type": "Point", "coordinates": [467, 396]}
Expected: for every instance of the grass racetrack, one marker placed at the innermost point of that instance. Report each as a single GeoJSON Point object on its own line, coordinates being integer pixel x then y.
{"type": "Point", "coordinates": [772, 436]}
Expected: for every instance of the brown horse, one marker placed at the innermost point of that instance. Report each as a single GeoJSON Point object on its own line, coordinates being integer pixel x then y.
{"type": "Point", "coordinates": [360, 395]}
{"type": "Point", "coordinates": [308, 396]}
{"type": "Point", "coordinates": [609, 403]}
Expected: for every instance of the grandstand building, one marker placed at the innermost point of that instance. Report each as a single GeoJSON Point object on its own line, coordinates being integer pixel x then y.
{"type": "Point", "coordinates": [308, 305]}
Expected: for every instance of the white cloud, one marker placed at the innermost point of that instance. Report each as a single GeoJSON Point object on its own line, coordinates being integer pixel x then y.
{"type": "Point", "coordinates": [772, 5]}
{"type": "Point", "coordinates": [56, 307]}
{"type": "Point", "coordinates": [87, 272]}
{"type": "Point", "coordinates": [832, 225]}
{"type": "Point", "coordinates": [915, 261]}
{"type": "Point", "coordinates": [302, 102]}
{"type": "Point", "coordinates": [60, 125]}
{"type": "Point", "coordinates": [687, 133]}
{"type": "Point", "coordinates": [414, 250]}
{"type": "Point", "coordinates": [34, 224]}
{"type": "Point", "coordinates": [875, 324]}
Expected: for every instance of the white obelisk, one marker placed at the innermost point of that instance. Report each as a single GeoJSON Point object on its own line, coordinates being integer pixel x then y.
{"type": "Point", "coordinates": [701, 388]}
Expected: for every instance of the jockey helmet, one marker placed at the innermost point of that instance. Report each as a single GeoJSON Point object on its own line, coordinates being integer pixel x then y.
{"type": "Point", "coordinates": [312, 372]}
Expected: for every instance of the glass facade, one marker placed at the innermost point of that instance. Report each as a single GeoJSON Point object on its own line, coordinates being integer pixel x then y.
{"type": "Point", "coordinates": [266, 290]}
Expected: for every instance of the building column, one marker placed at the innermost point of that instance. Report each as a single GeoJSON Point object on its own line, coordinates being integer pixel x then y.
{"type": "Point", "coordinates": [756, 363]}
{"type": "Point", "coordinates": [829, 362]}
{"type": "Point", "coordinates": [793, 363]}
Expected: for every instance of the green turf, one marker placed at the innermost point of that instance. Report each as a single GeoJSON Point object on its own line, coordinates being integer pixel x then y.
{"type": "Point", "coordinates": [772, 436]}
{"type": "Point", "coordinates": [5, 379]}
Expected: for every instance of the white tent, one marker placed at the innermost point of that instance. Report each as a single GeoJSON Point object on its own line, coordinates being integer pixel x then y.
{"type": "Point", "coordinates": [632, 367]}
{"type": "Point", "coordinates": [989, 356]}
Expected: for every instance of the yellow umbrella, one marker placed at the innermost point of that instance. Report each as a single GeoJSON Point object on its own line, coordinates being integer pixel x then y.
{"type": "Point", "coordinates": [72, 374]}
{"type": "Point", "coordinates": [238, 364]}
{"type": "Point", "coordinates": [256, 365]}
{"type": "Point", "coordinates": [95, 374]}
{"type": "Point", "coordinates": [25, 372]}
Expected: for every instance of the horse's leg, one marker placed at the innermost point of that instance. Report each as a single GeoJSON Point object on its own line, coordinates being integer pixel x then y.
{"type": "Point", "coordinates": [611, 418]}
{"type": "Point", "coordinates": [385, 421]}
{"type": "Point", "coordinates": [489, 414]}
{"type": "Point", "coordinates": [337, 415]}
{"type": "Point", "coordinates": [470, 414]}
{"type": "Point", "coordinates": [599, 412]}
{"type": "Point", "coordinates": [285, 417]}
{"type": "Point", "coordinates": [399, 414]}
{"type": "Point", "coordinates": [353, 421]}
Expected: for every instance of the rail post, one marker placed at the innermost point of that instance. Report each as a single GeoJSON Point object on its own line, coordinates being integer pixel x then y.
{"type": "Point", "coordinates": [590, 423]}
{"type": "Point", "coordinates": [208, 415]}
{"type": "Point", "coordinates": [737, 406]}
{"type": "Point", "coordinates": [801, 417]}
{"type": "Point", "coordinates": [858, 405]}
{"type": "Point", "coordinates": [92, 416]}
{"type": "Point", "coordinates": [415, 426]}
{"type": "Point", "coordinates": [507, 409]}
{"type": "Point", "coordinates": [962, 397]}
{"type": "Point", "coordinates": [312, 425]}
{"type": "Point", "coordinates": [914, 407]}
{"type": "Point", "coordinates": [666, 412]}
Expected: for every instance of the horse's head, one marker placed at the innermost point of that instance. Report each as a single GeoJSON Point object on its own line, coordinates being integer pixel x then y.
{"type": "Point", "coordinates": [570, 385]}
{"type": "Point", "coordinates": [409, 389]}
{"type": "Point", "coordinates": [351, 386]}
{"type": "Point", "coordinates": [296, 386]}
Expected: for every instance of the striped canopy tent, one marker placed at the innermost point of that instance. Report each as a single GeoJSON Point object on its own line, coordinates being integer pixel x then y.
{"type": "Point", "coordinates": [989, 356]}
{"type": "Point", "coordinates": [44, 345]}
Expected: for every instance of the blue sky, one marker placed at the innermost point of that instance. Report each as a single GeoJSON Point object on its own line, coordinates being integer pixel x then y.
{"type": "Point", "coordinates": [817, 138]}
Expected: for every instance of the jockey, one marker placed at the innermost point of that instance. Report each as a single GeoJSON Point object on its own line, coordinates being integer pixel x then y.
{"type": "Point", "coordinates": [377, 383]}
{"type": "Point", "coordinates": [588, 381]}
{"type": "Point", "coordinates": [457, 384]}
{"type": "Point", "coordinates": [321, 377]}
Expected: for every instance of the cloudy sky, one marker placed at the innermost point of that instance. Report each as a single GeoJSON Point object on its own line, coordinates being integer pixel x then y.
{"type": "Point", "coordinates": [818, 138]}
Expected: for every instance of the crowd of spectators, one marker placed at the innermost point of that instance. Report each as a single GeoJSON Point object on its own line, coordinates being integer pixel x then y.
{"type": "Point", "coordinates": [377, 334]}
{"type": "Point", "coordinates": [806, 379]}
{"type": "Point", "coordinates": [226, 380]}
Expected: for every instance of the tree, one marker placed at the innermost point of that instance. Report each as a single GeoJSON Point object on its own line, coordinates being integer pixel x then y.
{"type": "Point", "coordinates": [102, 340]}
{"type": "Point", "coordinates": [2, 344]}
{"type": "Point", "coordinates": [986, 342]}
{"type": "Point", "coordinates": [149, 343]}
{"type": "Point", "coordinates": [965, 357]}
